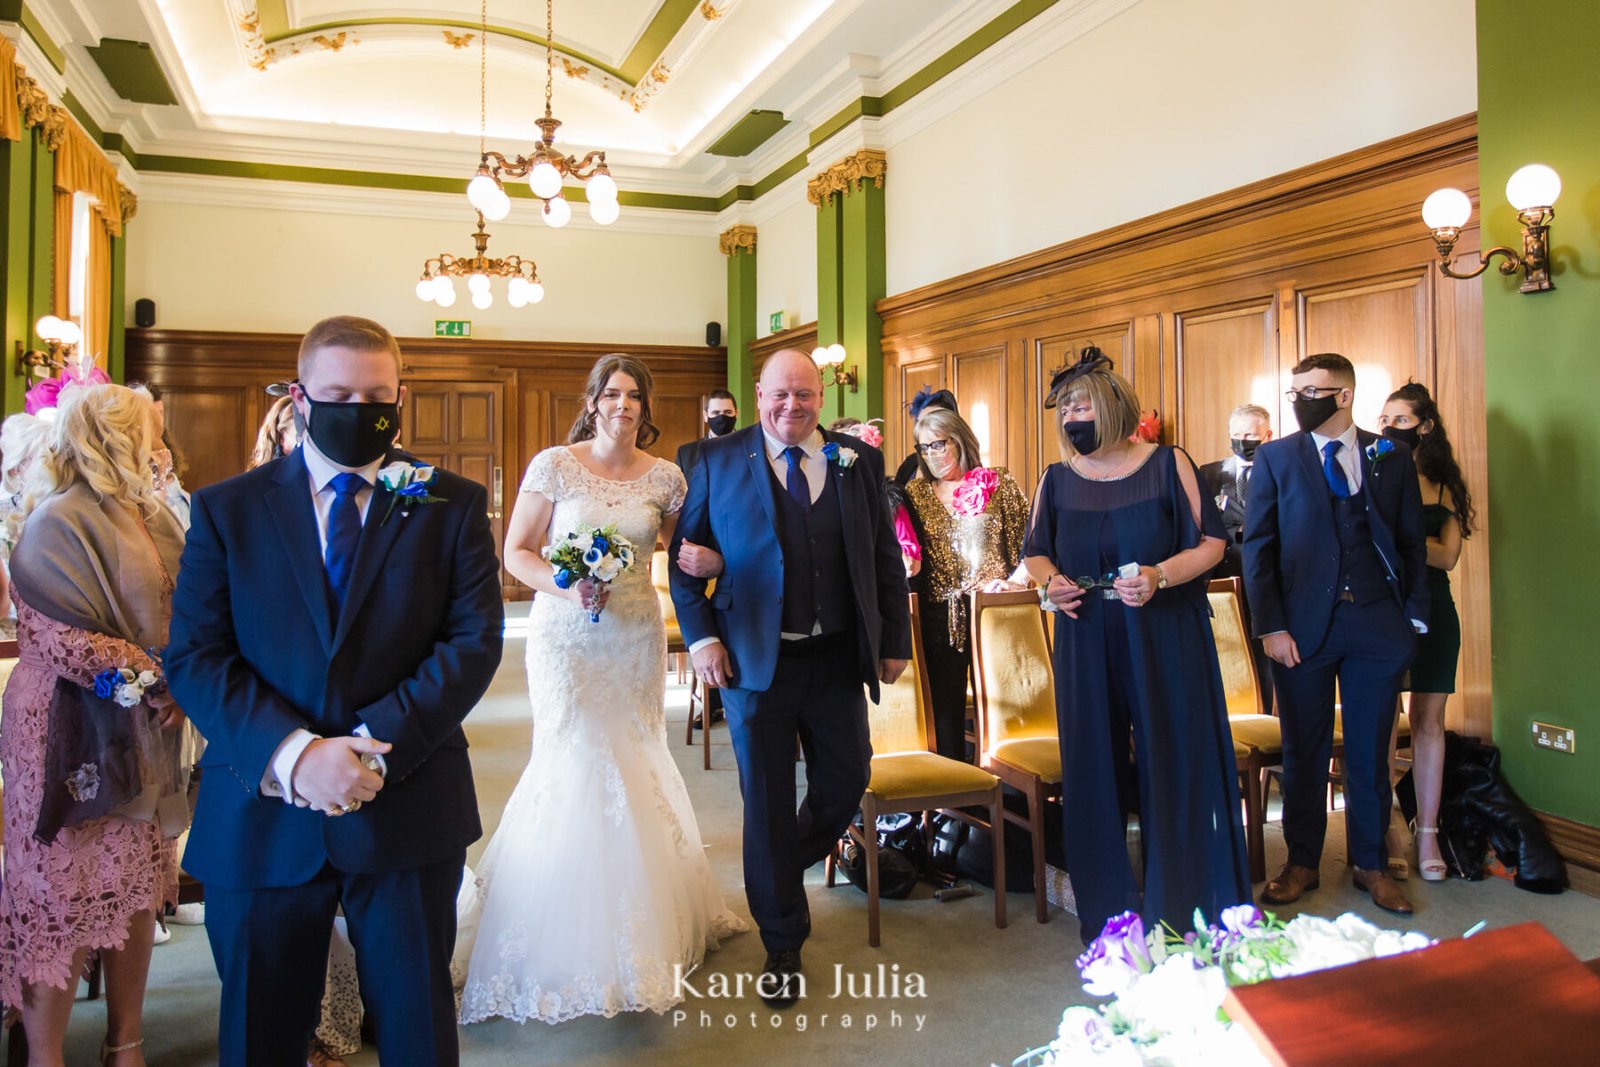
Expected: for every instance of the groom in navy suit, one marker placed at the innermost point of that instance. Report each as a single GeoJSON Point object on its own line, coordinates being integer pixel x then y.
{"type": "Point", "coordinates": [810, 605]}
{"type": "Point", "coordinates": [328, 637]}
{"type": "Point", "coordinates": [1333, 565]}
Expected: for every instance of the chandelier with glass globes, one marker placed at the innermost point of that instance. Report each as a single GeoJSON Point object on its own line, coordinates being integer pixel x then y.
{"type": "Point", "coordinates": [546, 169]}
{"type": "Point", "coordinates": [522, 287]}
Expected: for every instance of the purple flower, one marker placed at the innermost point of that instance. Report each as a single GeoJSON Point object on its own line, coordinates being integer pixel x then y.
{"type": "Point", "coordinates": [1242, 919]}
{"type": "Point", "coordinates": [1116, 957]}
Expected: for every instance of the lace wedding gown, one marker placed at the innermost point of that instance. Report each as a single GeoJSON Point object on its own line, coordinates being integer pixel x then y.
{"type": "Point", "coordinates": [596, 885]}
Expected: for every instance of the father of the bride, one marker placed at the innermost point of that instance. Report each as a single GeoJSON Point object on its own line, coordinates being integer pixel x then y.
{"type": "Point", "coordinates": [321, 621]}
{"type": "Point", "coordinates": [811, 605]}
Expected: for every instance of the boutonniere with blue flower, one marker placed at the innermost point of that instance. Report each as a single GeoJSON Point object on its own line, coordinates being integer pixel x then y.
{"type": "Point", "coordinates": [409, 483]}
{"type": "Point", "coordinates": [124, 685]}
{"type": "Point", "coordinates": [1378, 449]}
{"type": "Point", "coordinates": [844, 457]}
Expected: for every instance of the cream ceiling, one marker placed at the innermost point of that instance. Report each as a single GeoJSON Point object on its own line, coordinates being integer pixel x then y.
{"type": "Point", "coordinates": [393, 85]}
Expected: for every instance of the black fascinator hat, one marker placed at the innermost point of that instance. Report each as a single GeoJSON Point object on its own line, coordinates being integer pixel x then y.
{"type": "Point", "coordinates": [929, 397]}
{"type": "Point", "coordinates": [1089, 359]}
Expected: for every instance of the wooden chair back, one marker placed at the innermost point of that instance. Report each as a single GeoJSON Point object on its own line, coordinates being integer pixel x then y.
{"type": "Point", "coordinates": [1011, 665]}
{"type": "Point", "coordinates": [1235, 655]}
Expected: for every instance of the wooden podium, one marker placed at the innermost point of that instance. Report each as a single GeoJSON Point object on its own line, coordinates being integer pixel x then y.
{"type": "Point", "coordinates": [1514, 995]}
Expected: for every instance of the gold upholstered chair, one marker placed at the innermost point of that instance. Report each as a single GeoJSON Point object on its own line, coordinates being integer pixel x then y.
{"type": "Point", "coordinates": [1257, 737]}
{"type": "Point", "coordinates": [1016, 711]}
{"type": "Point", "coordinates": [907, 776]}
{"type": "Point", "coordinates": [678, 652]}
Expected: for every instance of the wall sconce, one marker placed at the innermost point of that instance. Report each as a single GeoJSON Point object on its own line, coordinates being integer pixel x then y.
{"type": "Point", "coordinates": [1532, 191]}
{"type": "Point", "coordinates": [61, 338]}
{"type": "Point", "coordinates": [833, 357]}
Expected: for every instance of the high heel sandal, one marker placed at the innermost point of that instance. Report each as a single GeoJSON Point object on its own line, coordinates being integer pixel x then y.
{"type": "Point", "coordinates": [1431, 870]}
{"type": "Point", "coordinates": [107, 1050]}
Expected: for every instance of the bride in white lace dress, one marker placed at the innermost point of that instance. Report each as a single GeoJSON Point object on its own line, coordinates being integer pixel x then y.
{"type": "Point", "coordinates": [596, 884]}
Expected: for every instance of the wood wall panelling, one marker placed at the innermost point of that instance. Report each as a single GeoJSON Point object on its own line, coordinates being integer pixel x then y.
{"type": "Point", "coordinates": [482, 405]}
{"type": "Point", "coordinates": [1210, 304]}
{"type": "Point", "coordinates": [980, 383]}
{"type": "Point", "coordinates": [1225, 356]}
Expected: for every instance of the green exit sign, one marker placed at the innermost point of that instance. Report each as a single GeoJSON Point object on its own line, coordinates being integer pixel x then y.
{"type": "Point", "coordinates": [452, 328]}
{"type": "Point", "coordinates": [775, 323]}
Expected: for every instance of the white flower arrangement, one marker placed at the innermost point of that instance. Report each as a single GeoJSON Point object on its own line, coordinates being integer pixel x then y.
{"type": "Point", "coordinates": [1168, 989]}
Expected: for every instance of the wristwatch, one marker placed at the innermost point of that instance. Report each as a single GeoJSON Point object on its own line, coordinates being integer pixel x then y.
{"type": "Point", "coordinates": [1161, 577]}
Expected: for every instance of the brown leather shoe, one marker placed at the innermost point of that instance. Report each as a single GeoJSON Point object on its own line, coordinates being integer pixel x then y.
{"type": "Point", "coordinates": [1293, 881]}
{"type": "Point", "coordinates": [1385, 894]}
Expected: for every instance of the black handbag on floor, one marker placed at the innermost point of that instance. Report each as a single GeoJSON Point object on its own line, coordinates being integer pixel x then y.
{"type": "Point", "coordinates": [902, 856]}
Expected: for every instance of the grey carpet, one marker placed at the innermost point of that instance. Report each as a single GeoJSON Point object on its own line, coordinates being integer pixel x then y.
{"type": "Point", "coordinates": [991, 994]}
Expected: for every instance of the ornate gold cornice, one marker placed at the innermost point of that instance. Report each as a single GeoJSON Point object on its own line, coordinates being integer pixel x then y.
{"type": "Point", "coordinates": [128, 202]}
{"type": "Point", "coordinates": [738, 239]}
{"type": "Point", "coordinates": [709, 12]}
{"type": "Point", "coordinates": [847, 175]}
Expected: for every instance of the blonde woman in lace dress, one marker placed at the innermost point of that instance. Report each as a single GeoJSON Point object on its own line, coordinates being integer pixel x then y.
{"type": "Point", "coordinates": [595, 888]}
{"type": "Point", "coordinates": [89, 858]}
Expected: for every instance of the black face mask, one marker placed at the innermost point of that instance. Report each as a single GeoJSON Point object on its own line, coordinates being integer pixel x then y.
{"type": "Point", "coordinates": [1245, 448]}
{"type": "Point", "coordinates": [1408, 434]}
{"type": "Point", "coordinates": [721, 425]}
{"type": "Point", "coordinates": [1313, 413]}
{"type": "Point", "coordinates": [352, 435]}
{"type": "Point", "coordinates": [1080, 435]}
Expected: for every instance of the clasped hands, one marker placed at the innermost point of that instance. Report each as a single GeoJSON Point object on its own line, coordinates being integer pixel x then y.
{"type": "Point", "coordinates": [332, 774]}
{"type": "Point", "coordinates": [1067, 595]}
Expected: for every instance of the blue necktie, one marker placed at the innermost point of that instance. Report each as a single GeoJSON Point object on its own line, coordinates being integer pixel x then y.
{"type": "Point", "coordinates": [1333, 470]}
{"type": "Point", "coordinates": [798, 486]}
{"type": "Point", "coordinates": [344, 532]}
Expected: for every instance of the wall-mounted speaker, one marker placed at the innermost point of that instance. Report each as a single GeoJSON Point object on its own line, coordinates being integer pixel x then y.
{"type": "Point", "coordinates": [144, 313]}
{"type": "Point", "coordinates": [713, 334]}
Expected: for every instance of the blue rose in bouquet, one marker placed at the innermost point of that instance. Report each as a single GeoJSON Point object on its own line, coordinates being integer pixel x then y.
{"type": "Point", "coordinates": [590, 554]}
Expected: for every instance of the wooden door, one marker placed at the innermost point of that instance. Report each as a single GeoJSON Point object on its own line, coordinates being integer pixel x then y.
{"type": "Point", "coordinates": [460, 426]}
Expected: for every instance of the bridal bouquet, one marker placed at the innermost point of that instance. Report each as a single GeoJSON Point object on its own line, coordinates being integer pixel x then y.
{"type": "Point", "coordinates": [588, 554]}
{"type": "Point", "coordinates": [1168, 988]}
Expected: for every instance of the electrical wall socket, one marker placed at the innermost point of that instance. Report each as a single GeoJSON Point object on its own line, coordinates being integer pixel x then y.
{"type": "Point", "coordinates": [1556, 738]}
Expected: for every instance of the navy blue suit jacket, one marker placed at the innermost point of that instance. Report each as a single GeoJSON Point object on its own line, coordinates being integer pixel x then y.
{"type": "Point", "coordinates": [256, 652]}
{"type": "Point", "coordinates": [730, 508]}
{"type": "Point", "coordinates": [1291, 545]}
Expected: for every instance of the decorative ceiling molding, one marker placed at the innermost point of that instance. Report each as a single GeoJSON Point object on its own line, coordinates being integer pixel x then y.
{"type": "Point", "coordinates": [737, 239]}
{"type": "Point", "coordinates": [263, 49]}
{"type": "Point", "coordinates": [302, 197]}
{"type": "Point", "coordinates": [846, 176]}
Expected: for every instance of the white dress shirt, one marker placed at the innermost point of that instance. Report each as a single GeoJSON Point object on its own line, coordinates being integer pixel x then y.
{"type": "Point", "coordinates": [814, 465]}
{"type": "Point", "coordinates": [1348, 456]}
{"type": "Point", "coordinates": [279, 779]}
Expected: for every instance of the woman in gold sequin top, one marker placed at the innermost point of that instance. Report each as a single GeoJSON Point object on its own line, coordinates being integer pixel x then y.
{"type": "Point", "coordinates": [971, 521]}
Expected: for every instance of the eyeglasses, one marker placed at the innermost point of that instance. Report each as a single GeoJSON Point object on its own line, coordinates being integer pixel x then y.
{"type": "Point", "coordinates": [1311, 392]}
{"type": "Point", "coordinates": [932, 448]}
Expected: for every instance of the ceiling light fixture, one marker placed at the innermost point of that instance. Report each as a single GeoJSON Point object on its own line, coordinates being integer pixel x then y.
{"type": "Point", "coordinates": [546, 169]}
{"type": "Point", "coordinates": [522, 289]}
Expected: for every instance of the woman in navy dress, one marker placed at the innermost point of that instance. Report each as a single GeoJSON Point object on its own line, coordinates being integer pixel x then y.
{"type": "Point", "coordinates": [1123, 540]}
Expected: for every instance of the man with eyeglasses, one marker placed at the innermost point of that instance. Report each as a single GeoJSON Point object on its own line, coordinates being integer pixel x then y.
{"type": "Point", "coordinates": [1334, 562]}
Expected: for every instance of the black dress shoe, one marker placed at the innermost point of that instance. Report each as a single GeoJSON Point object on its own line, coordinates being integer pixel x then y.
{"type": "Point", "coordinates": [780, 984]}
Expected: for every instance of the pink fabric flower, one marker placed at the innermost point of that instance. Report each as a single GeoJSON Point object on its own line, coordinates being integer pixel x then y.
{"type": "Point", "coordinates": [906, 534]}
{"type": "Point", "coordinates": [47, 394]}
{"type": "Point", "coordinates": [972, 495]}
{"type": "Point", "coordinates": [867, 432]}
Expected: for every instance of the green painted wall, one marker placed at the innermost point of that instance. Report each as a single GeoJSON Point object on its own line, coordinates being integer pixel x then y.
{"type": "Point", "coordinates": [863, 271]}
{"type": "Point", "coordinates": [741, 331]}
{"type": "Point", "coordinates": [16, 232]}
{"type": "Point", "coordinates": [830, 291]}
{"type": "Point", "coordinates": [1537, 103]}
{"type": "Point", "coordinates": [116, 348]}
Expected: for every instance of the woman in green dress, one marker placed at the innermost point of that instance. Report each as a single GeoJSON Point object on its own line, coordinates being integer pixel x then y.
{"type": "Point", "coordinates": [1411, 415]}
